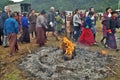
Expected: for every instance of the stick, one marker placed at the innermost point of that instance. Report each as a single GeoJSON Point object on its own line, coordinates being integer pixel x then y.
{"type": "Point", "coordinates": [116, 59]}
{"type": "Point", "coordinates": [29, 50]}
{"type": "Point", "coordinates": [111, 70]}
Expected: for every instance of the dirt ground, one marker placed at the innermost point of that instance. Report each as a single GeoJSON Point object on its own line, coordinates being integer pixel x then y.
{"type": "Point", "coordinates": [10, 71]}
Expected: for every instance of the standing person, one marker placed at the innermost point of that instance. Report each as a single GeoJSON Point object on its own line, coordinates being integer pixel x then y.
{"type": "Point", "coordinates": [111, 25]}
{"type": "Point", "coordinates": [1, 31]}
{"type": "Point", "coordinates": [87, 37]}
{"type": "Point", "coordinates": [11, 31]}
{"type": "Point", "coordinates": [59, 23]}
{"type": "Point", "coordinates": [69, 27]}
{"type": "Point", "coordinates": [52, 22]}
{"type": "Point", "coordinates": [93, 28]}
{"type": "Point", "coordinates": [93, 18]}
{"type": "Point", "coordinates": [40, 25]}
{"type": "Point", "coordinates": [25, 35]}
{"type": "Point", "coordinates": [106, 15]}
{"type": "Point", "coordinates": [4, 16]}
{"type": "Point", "coordinates": [91, 9]}
{"type": "Point", "coordinates": [77, 24]}
{"type": "Point", "coordinates": [16, 16]}
{"type": "Point", "coordinates": [32, 20]}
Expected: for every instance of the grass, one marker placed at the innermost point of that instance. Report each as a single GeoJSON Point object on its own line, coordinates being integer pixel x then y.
{"type": "Point", "coordinates": [14, 75]}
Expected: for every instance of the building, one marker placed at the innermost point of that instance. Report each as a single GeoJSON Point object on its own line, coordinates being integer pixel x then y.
{"type": "Point", "coordinates": [20, 7]}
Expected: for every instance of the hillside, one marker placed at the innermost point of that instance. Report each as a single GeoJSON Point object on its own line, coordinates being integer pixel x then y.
{"type": "Point", "coordinates": [38, 5]}
{"type": "Point", "coordinates": [99, 5]}
{"type": "Point", "coordinates": [4, 3]}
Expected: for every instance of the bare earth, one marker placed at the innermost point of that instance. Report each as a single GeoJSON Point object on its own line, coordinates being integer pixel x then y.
{"type": "Point", "coordinates": [8, 65]}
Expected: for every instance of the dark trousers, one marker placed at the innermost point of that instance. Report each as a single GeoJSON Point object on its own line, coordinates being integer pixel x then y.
{"type": "Point", "coordinates": [77, 32]}
{"type": "Point", "coordinates": [26, 35]}
{"type": "Point", "coordinates": [1, 36]}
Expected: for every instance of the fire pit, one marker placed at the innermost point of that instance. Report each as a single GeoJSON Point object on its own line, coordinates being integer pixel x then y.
{"type": "Point", "coordinates": [68, 48]}
{"type": "Point", "coordinates": [47, 63]}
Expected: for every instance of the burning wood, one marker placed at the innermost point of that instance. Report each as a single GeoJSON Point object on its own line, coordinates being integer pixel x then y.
{"type": "Point", "coordinates": [68, 47]}
{"type": "Point", "coordinates": [104, 52]}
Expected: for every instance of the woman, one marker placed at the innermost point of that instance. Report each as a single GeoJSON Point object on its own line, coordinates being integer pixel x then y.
{"type": "Point", "coordinates": [11, 31]}
{"type": "Point", "coordinates": [17, 17]}
{"type": "Point", "coordinates": [40, 26]}
{"type": "Point", "coordinates": [111, 26]}
{"type": "Point", "coordinates": [87, 37]}
{"type": "Point", "coordinates": [25, 35]}
{"type": "Point", "coordinates": [77, 24]}
{"type": "Point", "coordinates": [32, 20]}
{"type": "Point", "coordinates": [104, 21]}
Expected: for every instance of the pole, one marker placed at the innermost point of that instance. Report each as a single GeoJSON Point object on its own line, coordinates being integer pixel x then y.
{"type": "Point", "coordinates": [118, 4]}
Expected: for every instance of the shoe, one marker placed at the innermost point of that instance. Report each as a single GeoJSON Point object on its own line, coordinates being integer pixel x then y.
{"type": "Point", "coordinates": [1, 43]}
{"type": "Point", "coordinates": [102, 43]}
{"type": "Point", "coordinates": [95, 43]}
{"type": "Point", "coordinates": [107, 47]}
{"type": "Point", "coordinates": [9, 55]}
{"type": "Point", "coordinates": [6, 46]}
{"type": "Point", "coordinates": [16, 49]}
{"type": "Point", "coordinates": [117, 50]}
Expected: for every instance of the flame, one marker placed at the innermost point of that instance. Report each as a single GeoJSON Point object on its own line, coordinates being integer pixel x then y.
{"type": "Point", "coordinates": [69, 47]}
{"type": "Point", "coordinates": [104, 52]}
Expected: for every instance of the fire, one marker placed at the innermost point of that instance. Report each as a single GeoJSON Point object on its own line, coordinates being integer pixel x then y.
{"type": "Point", "coordinates": [68, 46]}
{"type": "Point", "coordinates": [104, 52]}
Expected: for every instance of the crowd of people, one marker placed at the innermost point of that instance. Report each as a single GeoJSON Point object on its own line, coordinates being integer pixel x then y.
{"type": "Point", "coordinates": [79, 26]}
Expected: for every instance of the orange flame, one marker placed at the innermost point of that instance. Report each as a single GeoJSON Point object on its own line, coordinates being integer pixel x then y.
{"type": "Point", "coordinates": [69, 47]}
{"type": "Point", "coordinates": [104, 52]}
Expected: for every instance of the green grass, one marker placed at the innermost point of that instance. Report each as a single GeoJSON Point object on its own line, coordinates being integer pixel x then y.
{"type": "Point", "coordinates": [14, 75]}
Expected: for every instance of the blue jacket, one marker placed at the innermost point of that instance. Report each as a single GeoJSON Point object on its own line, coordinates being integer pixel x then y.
{"type": "Point", "coordinates": [88, 22]}
{"type": "Point", "coordinates": [1, 23]}
{"type": "Point", "coordinates": [24, 22]}
{"type": "Point", "coordinates": [4, 16]}
{"type": "Point", "coordinates": [10, 26]}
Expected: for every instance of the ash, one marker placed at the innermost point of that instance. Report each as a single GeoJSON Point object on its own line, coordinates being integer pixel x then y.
{"type": "Point", "coordinates": [47, 63]}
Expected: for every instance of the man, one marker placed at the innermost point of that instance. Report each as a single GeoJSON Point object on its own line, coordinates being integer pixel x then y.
{"type": "Point", "coordinates": [11, 31]}
{"type": "Point", "coordinates": [77, 24]}
{"type": "Point", "coordinates": [52, 22]}
{"type": "Point", "coordinates": [91, 9]}
{"type": "Point", "coordinates": [4, 16]}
